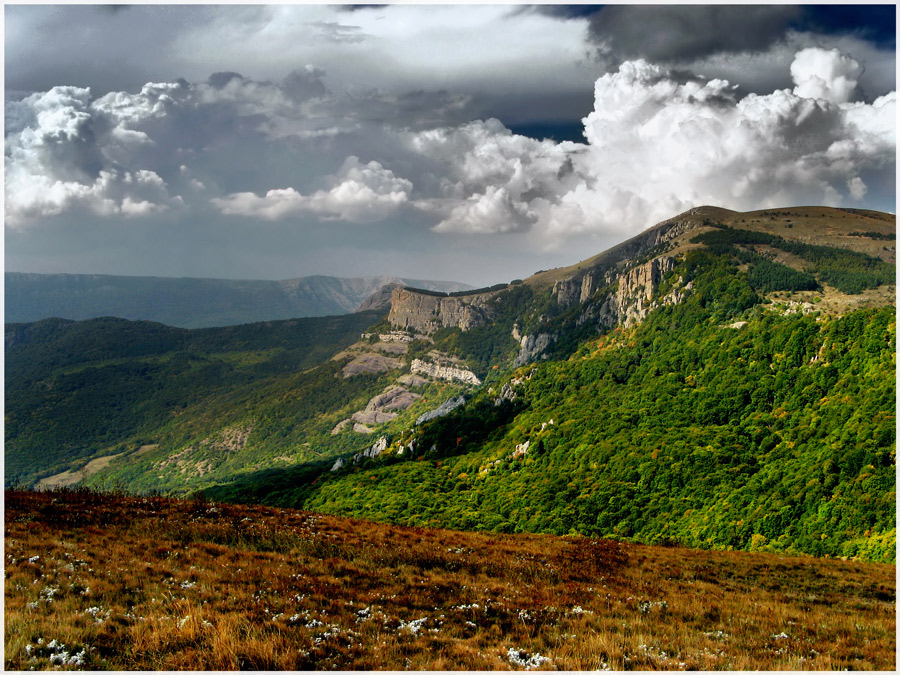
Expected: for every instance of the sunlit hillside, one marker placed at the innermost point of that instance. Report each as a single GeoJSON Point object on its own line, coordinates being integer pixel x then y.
{"type": "Point", "coordinates": [100, 581]}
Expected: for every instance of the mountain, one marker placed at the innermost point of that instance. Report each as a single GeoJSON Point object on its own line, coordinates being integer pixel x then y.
{"type": "Point", "coordinates": [723, 380]}
{"type": "Point", "coordinates": [190, 303]}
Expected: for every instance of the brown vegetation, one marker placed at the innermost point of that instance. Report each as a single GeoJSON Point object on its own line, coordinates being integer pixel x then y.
{"type": "Point", "coordinates": [98, 581]}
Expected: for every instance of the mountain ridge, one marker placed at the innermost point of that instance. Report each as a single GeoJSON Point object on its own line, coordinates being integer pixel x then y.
{"type": "Point", "coordinates": [189, 302]}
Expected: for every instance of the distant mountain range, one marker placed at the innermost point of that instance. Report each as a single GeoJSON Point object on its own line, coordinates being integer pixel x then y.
{"type": "Point", "coordinates": [189, 302]}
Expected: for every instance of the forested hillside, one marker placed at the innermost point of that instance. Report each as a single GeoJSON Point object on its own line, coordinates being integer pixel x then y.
{"type": "Point", "coordinates": [82, 390]}
{"type": "Point", "coordinates": [775, 432]}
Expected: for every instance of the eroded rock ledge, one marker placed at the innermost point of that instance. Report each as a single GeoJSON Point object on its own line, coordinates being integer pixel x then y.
{"type": "Point", "coordinates": [444, 372]}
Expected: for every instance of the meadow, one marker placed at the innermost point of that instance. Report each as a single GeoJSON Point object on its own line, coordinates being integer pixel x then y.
{"type": "Point", "coordinates": [110, 581]}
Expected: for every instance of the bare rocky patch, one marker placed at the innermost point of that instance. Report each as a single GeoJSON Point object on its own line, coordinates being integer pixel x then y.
{"type": "Point", "coordinates": [370, 363]}
{"type": "Point", "coordinates": [69, 478]}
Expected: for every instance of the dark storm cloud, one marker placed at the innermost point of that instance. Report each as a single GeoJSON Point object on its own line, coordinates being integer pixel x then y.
{"type": "Point", "coordinates": [876, 23]}
{"type": "Point", "coordinates": [221, 79]}
{"type": "Point", "coordinates": [96, 46]}
{"type": "Point", "coordinates": [665, 33]}
{"type": "Point", "coordinates": [419, 109]}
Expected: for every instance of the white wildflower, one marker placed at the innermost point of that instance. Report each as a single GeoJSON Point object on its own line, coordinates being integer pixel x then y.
{"type": "Point", "coordinates": [523, 660]}
{"type": "Point", "coordinates": [413, 626]}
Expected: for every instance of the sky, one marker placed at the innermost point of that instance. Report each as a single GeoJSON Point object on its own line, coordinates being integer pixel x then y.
{"type": "Point", "coordinates": [457, 142]}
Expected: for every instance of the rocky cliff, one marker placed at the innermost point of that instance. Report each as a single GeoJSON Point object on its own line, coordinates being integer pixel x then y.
{"type": "Point", "coordinates": [442, 372]}
{"type": "Point", "coordinates": [627, 297]}
{"type": "Point", "coordinates": [425, 313]}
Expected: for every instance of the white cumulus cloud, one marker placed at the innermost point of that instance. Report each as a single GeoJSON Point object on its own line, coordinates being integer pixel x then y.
{"type": "Point", "coordinates": [659, 143]}
{"type": "Point", "coordinates": [54, 162]}
{"type": "Point", "coordinates": [826, 74]}
{"type": "Point", "coordinates": [360, 193]}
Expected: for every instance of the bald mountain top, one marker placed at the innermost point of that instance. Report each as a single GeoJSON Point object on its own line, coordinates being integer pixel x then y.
{"type": "Point", "coordinates": [189, 302]}
{"type": "Point", "coordinates": [868, 232]}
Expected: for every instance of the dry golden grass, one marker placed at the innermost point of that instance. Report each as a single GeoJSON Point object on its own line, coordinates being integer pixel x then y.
{"type": "Point", "coordinates": [114, 582]}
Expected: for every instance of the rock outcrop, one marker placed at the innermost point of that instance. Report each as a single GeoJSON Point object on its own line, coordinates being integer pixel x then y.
{"type": "Point", "coordinates": [370, 363]}
{"type": "Point", "coordinates": [411, 380]}
{"type": "Point", "coordinates": [379, 408]}
{"type": "Point", "coordinates": [444, 408]}
{"type": "Point", "coordinates": [531, 347]}
{"type": "Point", "coordinates": [507, 395]}
{"type": "Point", "coordinates": [574, 289]}
{"type": "Point", "coordinates": [426, 313]}
{"type": "Point", "coordinates": [636, 288]}
{"type": "Point", "coordinates": [372, 452]}
{"type": "Point", "coordinates": [444, 372]}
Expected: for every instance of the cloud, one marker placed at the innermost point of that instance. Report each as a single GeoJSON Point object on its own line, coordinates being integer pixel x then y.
{"type": "Point", "coordinates": [483, 178]}
{"type": "Point", "coordinates": [54, 163]}
{"type": "Point", "coordinates": [655, 142]}
{"type": "Point", "coordinates": [360, 193]}
{"type": "Point", "coordinates": [494, 211]}
{"type": "Point", "coordinates": [685, 32]}
{"type": "Point", "coordinates": [823, 74]}
{"type": "Point", "coordinates": [659, 143]}
{"type": "Point", "coordinates": [111, 194]}
{"type": "Point", "coordinates": [857, 188]}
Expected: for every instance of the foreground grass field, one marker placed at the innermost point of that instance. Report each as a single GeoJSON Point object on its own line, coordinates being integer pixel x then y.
{"type": "Point", "coordinates": [98, 581]}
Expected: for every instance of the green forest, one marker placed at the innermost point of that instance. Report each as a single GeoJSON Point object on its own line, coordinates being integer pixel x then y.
{"type": "Point", "coordinates": [77, 390]}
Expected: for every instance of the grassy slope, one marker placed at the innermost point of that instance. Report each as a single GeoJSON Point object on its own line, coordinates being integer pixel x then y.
{"type": "Point", "coordinates": [78, 390]}
{"type": "Point", "coordinates": [108, 582]}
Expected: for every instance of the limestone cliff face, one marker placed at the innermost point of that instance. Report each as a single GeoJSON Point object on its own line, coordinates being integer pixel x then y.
{"type": "Point", "coordinates": [636, 288]}
{"type": "Point", "coordinates": [635, 296]}
{"type": "Point", "coordinates": [531, 347]}
{"type": "Point", "coordinates": [427, 313]}
{"type": "Point", "coordinates": [629, 304]}
{"type": "Point", "coordinates": [442, 372]}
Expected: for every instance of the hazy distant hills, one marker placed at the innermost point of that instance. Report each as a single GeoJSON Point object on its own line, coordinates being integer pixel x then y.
{"type": "Point", "coordinates": [189, 302]}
